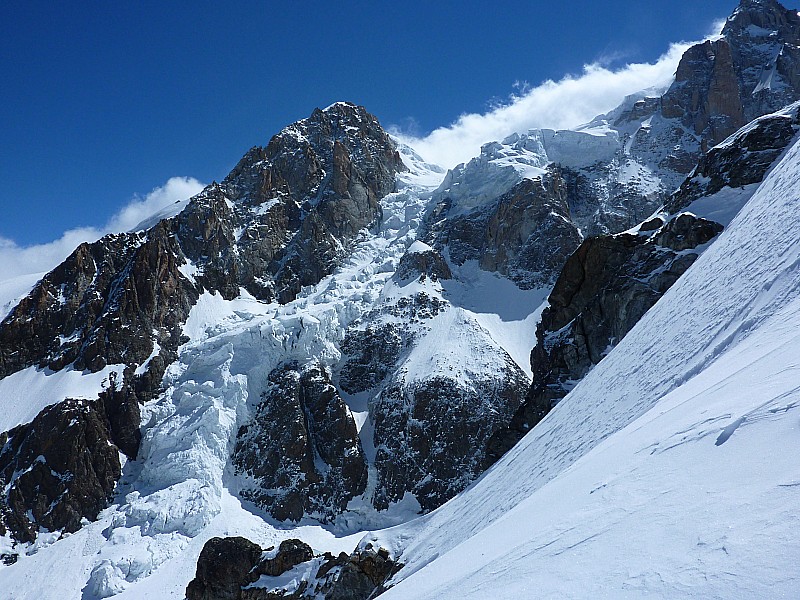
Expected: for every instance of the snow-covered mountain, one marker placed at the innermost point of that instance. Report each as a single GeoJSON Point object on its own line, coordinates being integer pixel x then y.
{"type": "Point", "coordinates": [288, 386]}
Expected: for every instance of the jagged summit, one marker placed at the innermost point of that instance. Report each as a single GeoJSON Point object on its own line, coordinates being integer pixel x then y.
{"type": "Point", "coordinates": [311, 159]}
{"type": "Point", "coordinates": [769, 15]}
{"type": "Point", "coordinates": [284, 218]}
{"type": "Point", "coordinates": [280, 220]}
{"type": "Point", "coordinates": [750, 71]}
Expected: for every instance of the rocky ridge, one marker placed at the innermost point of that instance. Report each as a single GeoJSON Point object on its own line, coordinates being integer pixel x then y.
{"type": "Point", "coordinates": [281, 219]}
{"type": "Point", "coordinates": [614, 172]}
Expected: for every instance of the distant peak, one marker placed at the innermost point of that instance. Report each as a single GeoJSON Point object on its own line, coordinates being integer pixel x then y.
{"type": "Point", "coordinates": [765, 14]}
{"type": "Point", "coordinates": [341, 109]}
{"type": "Point", "coordinates": [346, 113]}
{"type": "Point", "coordinates": [340, 105]}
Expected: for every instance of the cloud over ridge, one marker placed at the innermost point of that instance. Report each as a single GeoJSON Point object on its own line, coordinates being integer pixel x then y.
{"type": "Point", "coordinates": [18, 260]}
{"type": "Point", "coordinates": [563, 104]}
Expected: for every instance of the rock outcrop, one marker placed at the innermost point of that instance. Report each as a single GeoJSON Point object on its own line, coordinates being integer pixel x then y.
{"type": "Point", "coordinates": [421, 261]}
{"type": "Point", "coordinates": [57, 470]}
{"type": "Point", "coordinates": [606, 286]}
{"type": "Point", "coordinates": [236, 569]}
{"type": "Point", "coordinates": [525, 234]}
{"type": "Point", "coordinates": [227, 565]}
{"type": "Point", "coordinates": [433, 433]}
{"type": "Point", "coordinates": [302, 448]}
{"type": "Point", "coordinates": [439, 388]}
{"type": "Point", "coordinates": [742, 160]}
{"type": "Point", "coordinates": [224, 566]}
{"type": "Point", "coordinates": [705, 96]}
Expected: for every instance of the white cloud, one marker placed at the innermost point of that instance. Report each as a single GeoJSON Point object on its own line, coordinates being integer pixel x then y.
{"type": "Point", "coordinates": [716, 29]}
{"type": "Point", "coordinates": [140, 208]}
{"type": "Point", "coordinates": [563, 104]}
{"type": "Point", "coordinates": [16, 261]}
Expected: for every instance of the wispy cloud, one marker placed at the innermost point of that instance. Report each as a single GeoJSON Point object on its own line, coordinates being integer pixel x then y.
{"type": "Point", "coordinates": [16, 260]}
{"type": "Point", "coordinates": [716, 29]}
{"type": "Point", "coordinates": [142, 207]}
{"type": "Point", "coordinates": [553, 104]}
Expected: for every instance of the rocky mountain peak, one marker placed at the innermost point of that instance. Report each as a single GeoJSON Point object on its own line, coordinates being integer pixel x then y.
{"type": "Point", "coordinates": [280, 220]}
{"type": "Point", "coordinates": [312, 159]}
{"type": "Point", "coordinates": [752, 70]}
{"type": "Point", "coordinates": [768, 15]}
{"type": "Point", "coordinates": [284, 218]}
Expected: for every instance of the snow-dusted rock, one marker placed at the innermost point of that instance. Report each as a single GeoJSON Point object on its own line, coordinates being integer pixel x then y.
{"type": "Point", "coordinates": [420, 260]}
{"type": "Point", "coordinates": [525, 234]}
{"type": "Point", "coordinates": [741, 160]}
{"type": "Point", "coordinates": [57, 470]}
{"type": "Point", "coordinates": [301, 450]}
{"type": "Point", "coordinates": [439, 387]}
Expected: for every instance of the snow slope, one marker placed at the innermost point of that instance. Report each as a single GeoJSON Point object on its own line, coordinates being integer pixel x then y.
{"type": "Point", "coordinates": [24, 394]}
{"type": "Point", "coordinates": [670, 470]}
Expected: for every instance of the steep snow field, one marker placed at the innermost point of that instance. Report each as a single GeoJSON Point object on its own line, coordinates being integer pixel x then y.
{"type": "Point", "coordinates": [670, 470]}
{"type": "Point", "coordinates": [24, 394]}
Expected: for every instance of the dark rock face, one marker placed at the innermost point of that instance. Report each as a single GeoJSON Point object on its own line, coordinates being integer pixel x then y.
{"type": "Point", "coordinates": [624, 207]}
{"type": "Point", "coordinates": [743, 160]}
{"type": "Point", "coordinates": [228, 568]}
{"type": "Point", "coordinates": [526, 234]}
{"type": "Point", "coordinates": [57, 470]}
{"type": "Point", "coordinates": [606, 286]}
{"type": "Point", "coordinates": [121, 408]}
{"type": "Point", "coordinates": [372, 347]}
{"type": "Point", "coordinates": [706, 95]}
{"type": "Point", "coordinates": [371, 354]}
{"type": "Point", "coordinates": [290, 554]}
{"type": "Point", "coordinates": [101, 306]}
{"type": "Point", "coordinates": [429, 263]}
{"type": "Point", "coordinates": [767, 53]}
{"type": "Point", "coordinates": [751, 71]}
{"type": "Point", "coordinates": [302, 447]}
{"type": "Point", "coordinates": [323, 178]}
{"type": "Point", "coordinates": [226, 565]}
{"type": "Point", "coordinates": [431, 434]}
{"type": "Point", "coordinates": [360, 576]}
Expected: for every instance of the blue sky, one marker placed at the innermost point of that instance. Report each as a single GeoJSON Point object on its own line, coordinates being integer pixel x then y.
{"type": "Point", "coordinates": [101, 103]}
